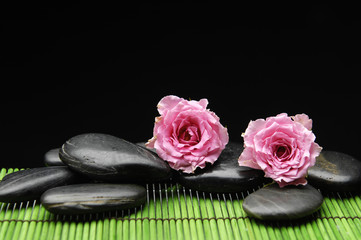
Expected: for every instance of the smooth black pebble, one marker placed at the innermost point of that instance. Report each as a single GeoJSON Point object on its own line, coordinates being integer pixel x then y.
{"type": "Point", "coordinates": [225, 175]}
{"type": "Point", "coordinates": [290, 202]}
{"type": "Point", "coordinates": [92, 198]}
{"type": "Point", "coordinates": [142, 144]}
{"type": "Point", "coordinates": [51, 158]}
{"type": "Point", "coordinates": [108, 158]}
{"type": "Point", "coordinates": [29, 184]}
{"type": "Point", "coordinates": [335, 171]}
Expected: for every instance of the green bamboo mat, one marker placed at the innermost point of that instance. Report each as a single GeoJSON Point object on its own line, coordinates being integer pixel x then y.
{"type": "Point", "coordinates": [174, 212]}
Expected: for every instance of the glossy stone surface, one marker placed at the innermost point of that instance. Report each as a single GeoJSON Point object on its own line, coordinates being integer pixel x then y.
{"type": "Point", "coordinates": [51, 158]}
{"type": "Point", "coordinates": [31, 183]}
{"type": "Point", "coordinates": [225, 175]}
{"type": "Point", "coordinates": [335, 171]}
{"type": "Point", "coordinates": [290, 202]}
{"type": "Point", "coordinates": [92, 198]}
{"type": "Point", "coordinates": [108, 158]}
{"type": "Point", "coordinates": [142, 144]}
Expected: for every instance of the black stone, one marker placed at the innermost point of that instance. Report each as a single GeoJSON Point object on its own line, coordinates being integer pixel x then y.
{"type": "Point", "coordinates": [142, 144]}
{"type": "Point", "coordinates": [92, 198]}
{"type": "Point", "coordinates": [225, 175]}
{"type": "Point", "coordinates": [31, 183]}
{"type": "Point", "coordinates": [51, 158]}
{"type": "Point", "coordinates": [290, 202]}
{"type": "Point", "coordinates": [108, 158]}
{"type": "Point", "coordinates": [335, 171]}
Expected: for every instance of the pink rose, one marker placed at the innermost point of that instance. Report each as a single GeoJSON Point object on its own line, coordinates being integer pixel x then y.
{"type": "Point", "coordinates": [283, 148]}
{"type": "Point", "coordinates": [187, 135]}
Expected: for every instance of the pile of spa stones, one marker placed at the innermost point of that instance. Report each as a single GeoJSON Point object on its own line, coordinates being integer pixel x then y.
{"type": "Point", "coordinates": [98, 172]}
{"type": "Point", "coordinates": [89, 173]}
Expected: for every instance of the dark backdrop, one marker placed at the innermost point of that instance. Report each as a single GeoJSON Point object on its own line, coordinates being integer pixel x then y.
{"type": "Point", "coordinates": [67, 70]}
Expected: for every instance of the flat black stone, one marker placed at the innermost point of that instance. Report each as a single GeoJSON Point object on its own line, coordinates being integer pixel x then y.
{"type": "Point", "coordinates": [225, 175]}
{"type": "Point", "coordinates": [92, 198]}
{"type": "Point", "coordinates": [108, 158]}
{"type": "Point", "coordinates": [335, 171]}
{"type": "Point", "coordinates": [29, 184]}
{"type": "Point", "coordinates": [290, 202]}
{"type": "Point", "coordinates": [51, 158]}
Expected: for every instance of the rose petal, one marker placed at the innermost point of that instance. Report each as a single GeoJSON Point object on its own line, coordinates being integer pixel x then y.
{"type": "Point", "coordinates": [246, 159]}
{"type": "Point", "coordinates": [253, 128]}
{"type": "Point", "coordinates": [281, 119]}
{"type": "Point", "coordinates": [167, 103]}
{"type": "Point", "coordinates": [150, 143]}
{"type": "Point", "coordinates": [304, 120]}
{"type": "Point", "coordinates": [300, 181]}
{"type": "Point", "coordinates": [197, 104]}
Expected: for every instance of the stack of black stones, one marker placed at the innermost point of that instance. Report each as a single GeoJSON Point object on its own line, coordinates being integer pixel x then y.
{"type": "Point", "coordinates": [98, 172]}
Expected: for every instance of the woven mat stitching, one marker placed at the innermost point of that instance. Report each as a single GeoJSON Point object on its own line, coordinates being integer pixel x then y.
{"type": "Point", "coordinates": [167, 219]}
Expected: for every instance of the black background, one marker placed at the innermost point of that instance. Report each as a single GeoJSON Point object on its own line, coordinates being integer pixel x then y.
{"type": "Point", "coordinates": [80, 68]}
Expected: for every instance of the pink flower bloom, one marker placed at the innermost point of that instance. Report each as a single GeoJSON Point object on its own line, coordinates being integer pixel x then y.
{"type": "Point", "coordinates": [283, 148]}
{"type": "Point", "coordinates": [187, 135]}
